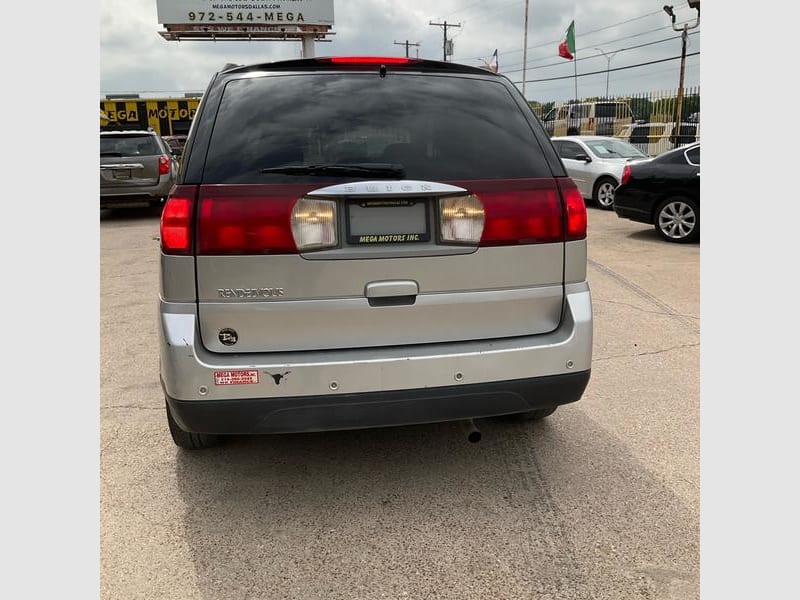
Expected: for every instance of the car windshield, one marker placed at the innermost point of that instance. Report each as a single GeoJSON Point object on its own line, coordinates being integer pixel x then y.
{"type": "Point", "coordinates": [129, 145]}
{"type": "Point", "coordinates": [611, 148]}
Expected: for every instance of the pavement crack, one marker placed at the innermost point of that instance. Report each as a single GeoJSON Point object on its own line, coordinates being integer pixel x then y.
{"type": "Point", "coordinates": [652, 352]}
{"type": "Point", "coordinates": [641, 292]}
{"type": "Point", "coordinates": [649, 312]}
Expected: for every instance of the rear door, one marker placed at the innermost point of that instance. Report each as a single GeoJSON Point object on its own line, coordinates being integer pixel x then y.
{"type": "Point", "coordinates": [129, 160]}
{"type": "Point", "coordinates": [578, 169]}
{"type": "Point", "coordinates": [457, 236]}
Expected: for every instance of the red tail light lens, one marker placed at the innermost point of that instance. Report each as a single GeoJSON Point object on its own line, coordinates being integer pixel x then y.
{"type": "Point", "coordinates": [522, 217]}
{"type": "Point", "coordinates": [245, 224]}
{"type": "Point", "coordinates": [176, 221]}
{"type": "Point", "coordinates": [163, 164]}
{"type": "Point", "coordinates": [575, 209]}
{"type": "Point", "coordinates": [367, 60]}
{"type": "Point", "coordinates": [626, 174]}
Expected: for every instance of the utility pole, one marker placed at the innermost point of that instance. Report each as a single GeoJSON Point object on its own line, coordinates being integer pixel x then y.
{"type": "Point", "coordinates": [695, 4]}
{"type": "Point", "coordinates": [407, 44]}
{"type": "Point", "coordinates": [525, 51]}
{"type": "Point", "coordinates": [444, 27]}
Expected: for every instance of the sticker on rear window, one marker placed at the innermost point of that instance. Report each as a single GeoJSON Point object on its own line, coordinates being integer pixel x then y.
{"type": "Point", "coordinates": [235, 377]}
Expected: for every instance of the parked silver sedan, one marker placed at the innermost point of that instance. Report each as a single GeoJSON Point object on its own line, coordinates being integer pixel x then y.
{"type": "Point", "coordinates": [595, 164]}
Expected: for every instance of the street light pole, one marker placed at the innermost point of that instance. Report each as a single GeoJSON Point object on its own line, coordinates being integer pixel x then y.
{"type": "Point", "coordinates": [695, 4]}
{"type": "Point", "coordinates": [608, 67]}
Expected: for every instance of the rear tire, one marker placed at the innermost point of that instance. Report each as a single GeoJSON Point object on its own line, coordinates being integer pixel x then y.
{"type": "Point", "coordinates": [677, 219]}
{"type": "Point", "coordinates": [188, 440]}
{"type": "Point", "coordinates": [603, 193]}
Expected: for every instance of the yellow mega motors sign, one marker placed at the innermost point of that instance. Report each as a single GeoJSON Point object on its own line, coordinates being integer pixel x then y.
{"type": "Point", "coordinates": [159, 114]}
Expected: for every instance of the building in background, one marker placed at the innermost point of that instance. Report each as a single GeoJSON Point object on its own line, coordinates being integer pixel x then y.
{"type": "Point", "coordinates": [166, 116]}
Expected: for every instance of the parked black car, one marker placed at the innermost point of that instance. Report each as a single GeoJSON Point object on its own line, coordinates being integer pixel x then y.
{"type": "Point", "coordinates": [664, 192]}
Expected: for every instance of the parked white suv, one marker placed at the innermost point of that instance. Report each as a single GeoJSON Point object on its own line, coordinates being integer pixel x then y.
{"type": "Point", "coordinates": [365, 242]}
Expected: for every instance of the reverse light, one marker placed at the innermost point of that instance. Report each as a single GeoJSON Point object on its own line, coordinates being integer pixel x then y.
{"type": "Point", "coordinates": [461, 219]}
{"type": "Point", "coordinates": [314, 224]}
{"type": "Point", "coordinates": [163, 164]}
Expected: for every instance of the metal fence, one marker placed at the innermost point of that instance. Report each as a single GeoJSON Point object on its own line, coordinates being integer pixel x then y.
{"type": "Point", "coordinates": [646, 120]}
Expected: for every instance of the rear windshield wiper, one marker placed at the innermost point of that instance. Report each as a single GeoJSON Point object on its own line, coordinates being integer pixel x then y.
{"type": "Point", "coordinates": [342, 170]}
{"type": "Point", "coordinates": [111, 154]}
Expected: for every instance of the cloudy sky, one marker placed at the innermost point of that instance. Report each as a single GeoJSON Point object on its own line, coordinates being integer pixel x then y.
{"type": "Point", "coordinates": [135, 58]}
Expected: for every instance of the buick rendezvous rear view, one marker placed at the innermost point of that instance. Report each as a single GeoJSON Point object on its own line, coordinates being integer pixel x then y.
{"type": "Point", "coordinates": [365, 242]}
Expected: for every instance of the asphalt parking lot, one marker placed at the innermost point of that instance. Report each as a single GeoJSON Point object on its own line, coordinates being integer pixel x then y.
{"type": "Point", "coordinates": [599, 501]}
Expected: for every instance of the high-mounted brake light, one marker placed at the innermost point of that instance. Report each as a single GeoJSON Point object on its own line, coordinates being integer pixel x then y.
{"type": "Point", "coordinates": [367, 60]}
{"type": "Point", "coordinates": [163, 164]}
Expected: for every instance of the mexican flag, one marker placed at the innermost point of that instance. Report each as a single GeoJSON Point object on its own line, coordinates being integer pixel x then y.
{"type": "Point", "coordinates": [566, 49]}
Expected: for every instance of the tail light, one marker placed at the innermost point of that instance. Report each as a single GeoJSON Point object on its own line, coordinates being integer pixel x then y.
{"type": "Point", "coordinates": [626, 174]}
{"type": "Point", "coordinates": [461, 219]}
{"type": "Point", "coordinates": [522, 217]}
{"type": "Point", "coordinates": [575, 210]}
{"type": "Point", "coordinates": [163, 164]}
{"type": "Point", "coordinates": [245, 224]}
{"type": "Point", "coordinates": [176, 221]}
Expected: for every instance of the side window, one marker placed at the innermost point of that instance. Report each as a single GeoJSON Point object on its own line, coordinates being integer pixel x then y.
{"type": "Point", "coordinates": [693, 155]}
{"type": "Point", "coordinates": [563, 112]}
{"type": "Point", "coordinates": [570, 150]}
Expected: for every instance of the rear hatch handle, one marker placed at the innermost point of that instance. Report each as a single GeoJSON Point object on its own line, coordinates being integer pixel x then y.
{"type": "Point", "coordinates": [391, 293]}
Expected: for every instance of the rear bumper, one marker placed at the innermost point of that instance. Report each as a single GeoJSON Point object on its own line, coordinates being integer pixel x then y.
{"type": "Point", "coordinates": [345, 389]}
{"type": "Point", "coordinates": [633, 214]}
{"type": "Point", "coordinates": [377, 409]}
{"type": "Point", "coordinates": [118, 196]}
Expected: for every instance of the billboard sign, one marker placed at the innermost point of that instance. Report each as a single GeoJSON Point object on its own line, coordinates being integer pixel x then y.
{"type": "Point", "coordinates": [245, 14]}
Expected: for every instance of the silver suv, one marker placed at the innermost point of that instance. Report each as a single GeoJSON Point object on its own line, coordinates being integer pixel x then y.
{"type": "Point", "coordinates": [367, 242]}
{"type": "Point", "coordinates": [136, 168]}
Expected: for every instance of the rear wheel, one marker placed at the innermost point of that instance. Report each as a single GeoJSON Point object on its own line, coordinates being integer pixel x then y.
{"type": "Point", "coordinates": [603, 193]}
{"type": "Point", "coordinates": [677, 219]}
{"type": "Point", "coordinates": [188, 440]}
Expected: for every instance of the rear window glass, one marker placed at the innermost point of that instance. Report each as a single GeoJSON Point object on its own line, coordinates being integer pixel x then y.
{"type": "Point", "coordinates": [604, 111]}
{"type": "Point", "coordinates": [129, 145]}
{"type": "Point", "coordinates": [437, 128]}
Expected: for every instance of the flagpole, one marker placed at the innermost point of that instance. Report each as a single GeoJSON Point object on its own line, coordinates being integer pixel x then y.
{"type": "Point", "coordinates": [575, 60]}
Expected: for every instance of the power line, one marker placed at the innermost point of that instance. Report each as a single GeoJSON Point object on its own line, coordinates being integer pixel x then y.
{"type": "Point", "coordinates": [584, 33]}
{"type": "Point", "coordinates": [652, 62]}
{"type": "Point", "coordinates": [669, 39]}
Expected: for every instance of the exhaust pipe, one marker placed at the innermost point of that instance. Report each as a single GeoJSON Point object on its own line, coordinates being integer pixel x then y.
{"type": "Point", "coordinates": [471, 430]}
